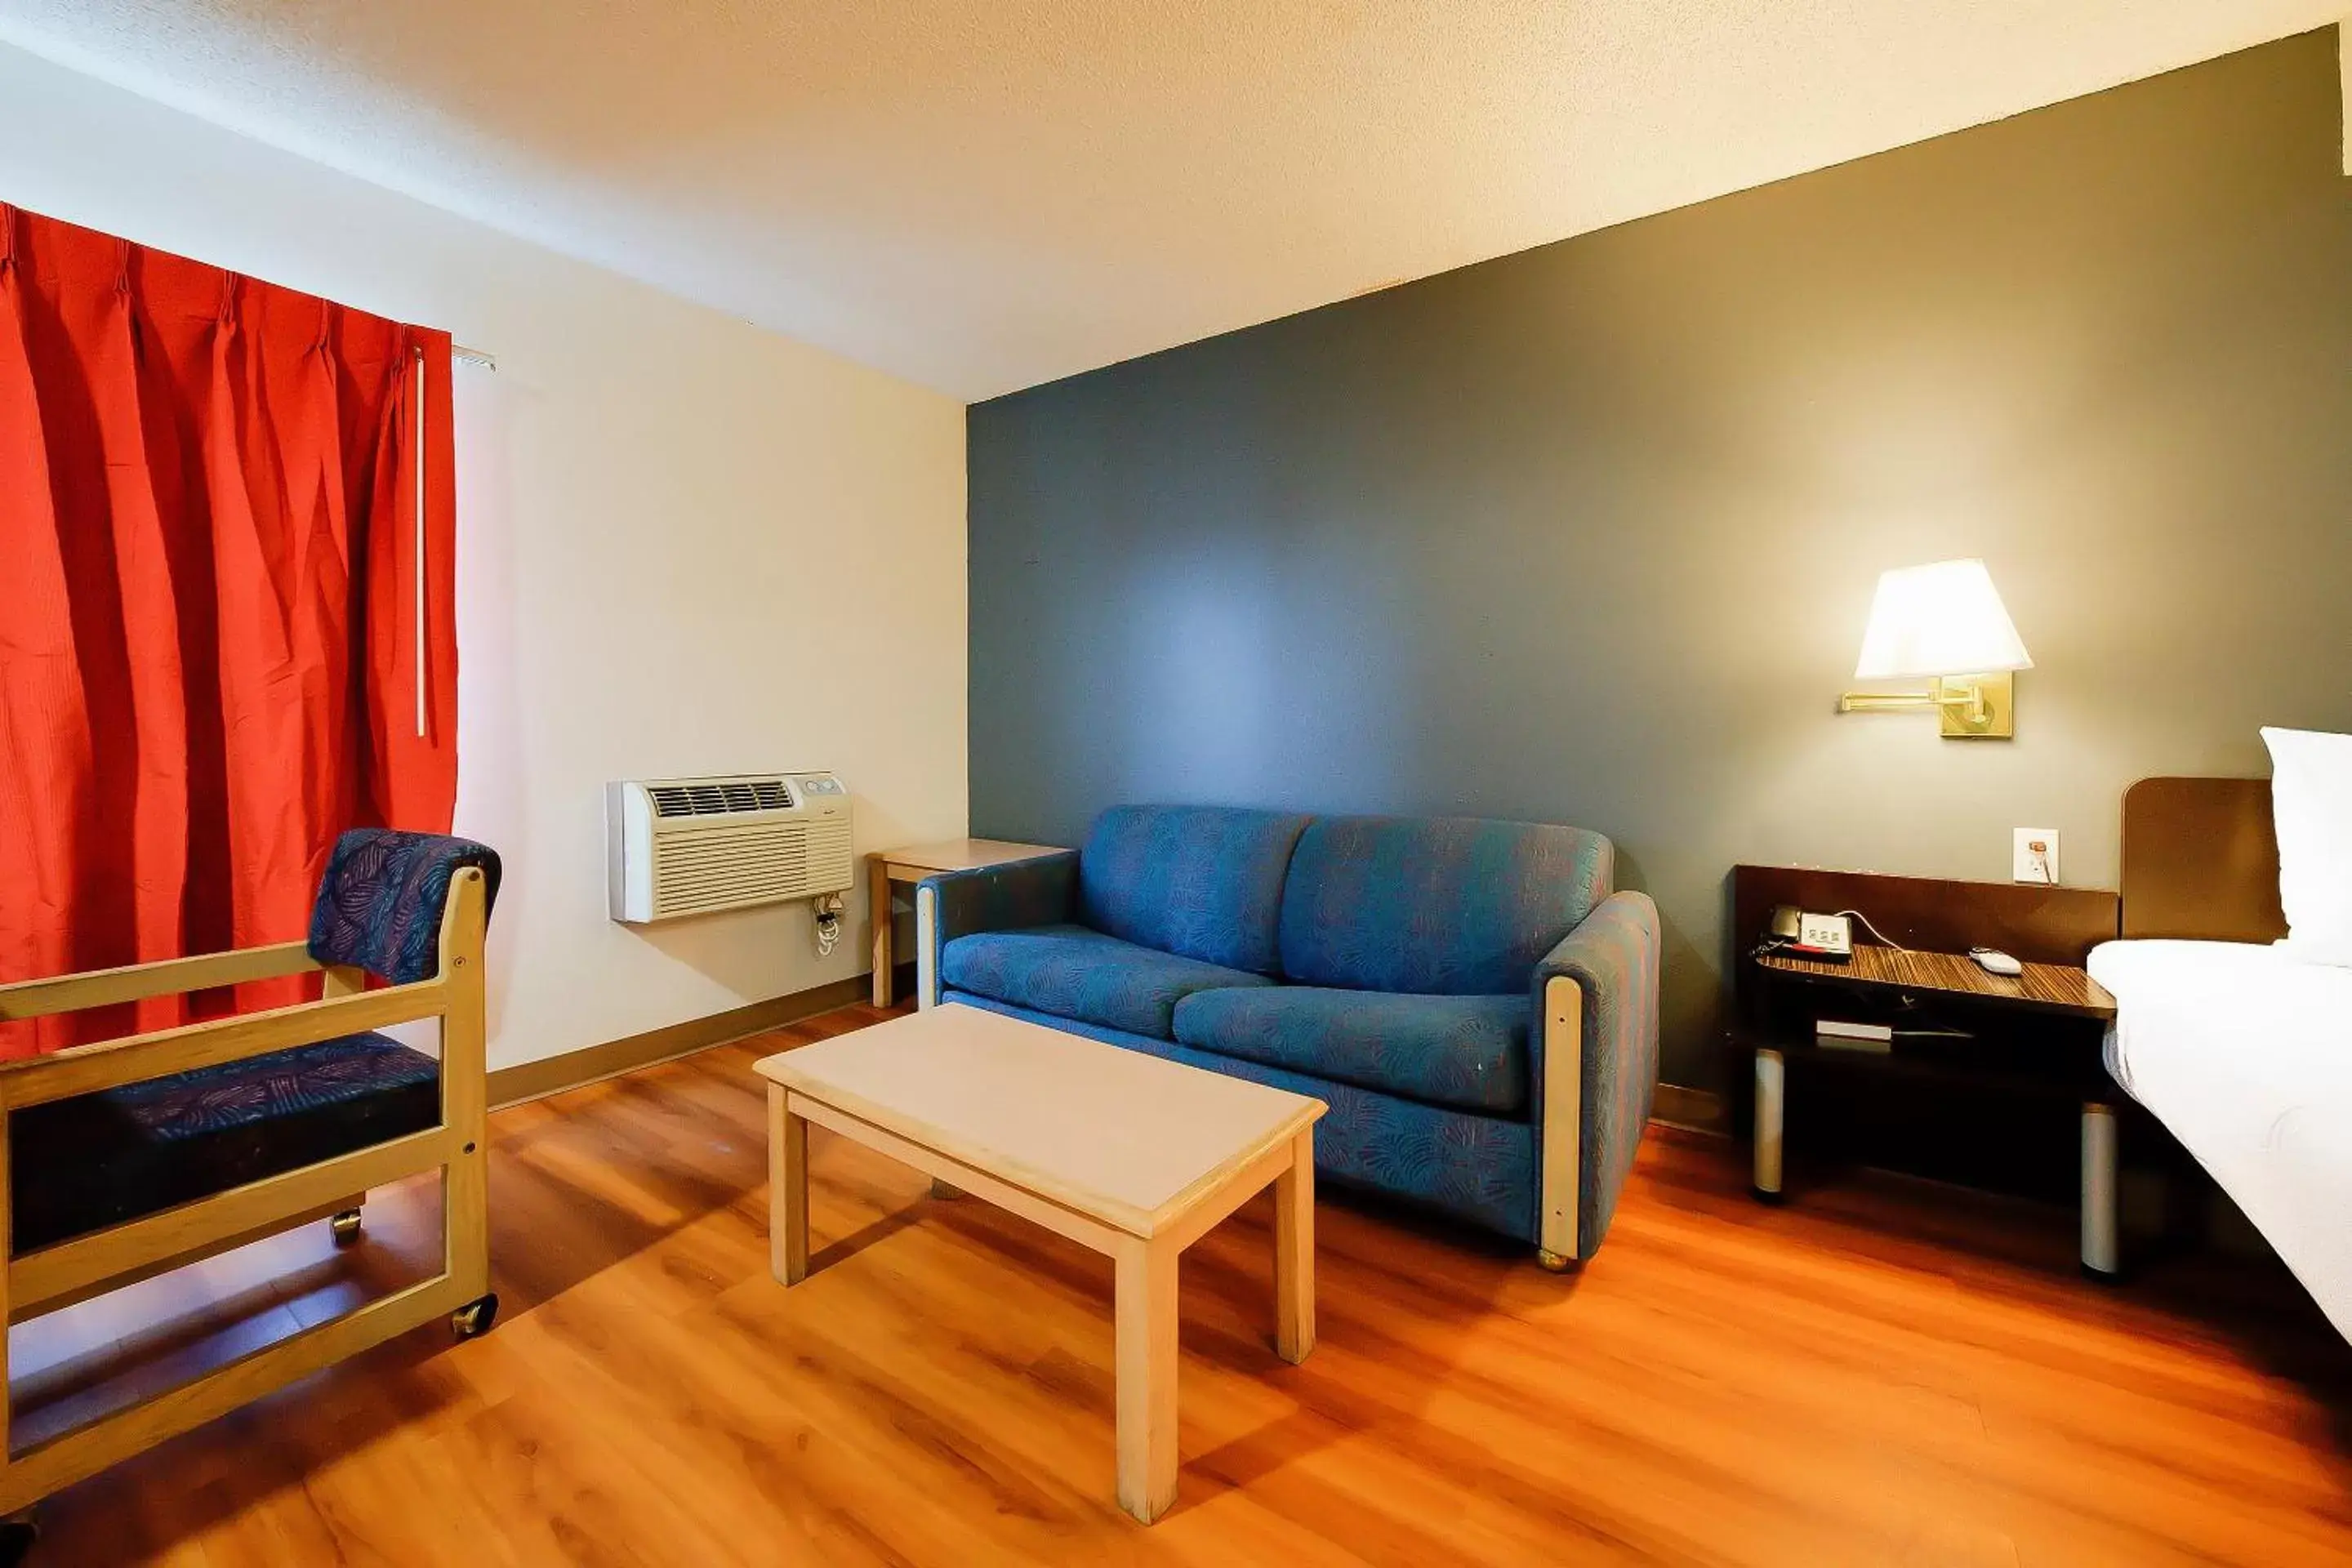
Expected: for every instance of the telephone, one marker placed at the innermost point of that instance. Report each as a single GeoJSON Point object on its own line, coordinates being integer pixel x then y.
{"type": "Point", "coordinates": [1827, 938]}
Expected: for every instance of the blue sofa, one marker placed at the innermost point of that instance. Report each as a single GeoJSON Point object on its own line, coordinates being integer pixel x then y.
{"type": "Point", "coordinates": [1478, 1007]}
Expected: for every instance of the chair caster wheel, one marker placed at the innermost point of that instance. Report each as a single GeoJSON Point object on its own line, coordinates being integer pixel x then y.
{"type": "Point", "coordinates": [473, 1320]}
{"type": "Point", "coordinates": [345, 1227]}
{"type": "Point", "coordinates": [19, 1531]}
{"type": "Point", "coordinates": [1554, 1262]}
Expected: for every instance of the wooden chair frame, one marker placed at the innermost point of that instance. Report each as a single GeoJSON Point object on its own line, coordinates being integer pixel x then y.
{"type": "Point", "coordinates": [86, 1265]}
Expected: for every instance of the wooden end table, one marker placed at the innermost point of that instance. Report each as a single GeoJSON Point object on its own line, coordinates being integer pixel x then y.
{"type": "Point", "coordinates": [1124, 1153]}
{"type": "Point", "coordinates": [2040, 1032]}
{"type": "Point", "coordinates": [912, 864]}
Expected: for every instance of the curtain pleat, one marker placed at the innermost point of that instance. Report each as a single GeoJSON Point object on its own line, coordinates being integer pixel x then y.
{"type": "Point", "coordinates": [156, 681]}
{"type": "Point", "coordinates": [208, 581]}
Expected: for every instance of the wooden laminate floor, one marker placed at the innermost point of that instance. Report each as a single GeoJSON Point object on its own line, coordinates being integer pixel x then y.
{"type": "Point", "coordinates": [1881, 1373]}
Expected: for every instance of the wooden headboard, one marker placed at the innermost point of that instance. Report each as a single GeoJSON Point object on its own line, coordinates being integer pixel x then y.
{"type": "Point", "coordinates": [2201, 860]}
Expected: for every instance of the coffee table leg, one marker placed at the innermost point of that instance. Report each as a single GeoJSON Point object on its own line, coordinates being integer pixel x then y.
{"type": "Point", "coordinates": [788, 1216]}
{"type": "Point", "coordinates": [1294, 1251]}
{"type": "Point", "coordinates": [1145, 1313]}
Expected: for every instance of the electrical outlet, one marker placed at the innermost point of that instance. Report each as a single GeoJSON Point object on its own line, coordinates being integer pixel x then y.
{"type": "Point", "coordinates": [2033, 857]}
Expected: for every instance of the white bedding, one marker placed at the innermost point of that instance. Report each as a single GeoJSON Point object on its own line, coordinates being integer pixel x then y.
{"type": "Point", "coordinates": [2246, 1055]}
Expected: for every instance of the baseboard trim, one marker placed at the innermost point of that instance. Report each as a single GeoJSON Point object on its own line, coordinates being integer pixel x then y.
{"type": "Point", "coordinates": [593, 1064]}
{"type": "Point", "coordinates": [1697, 1110]}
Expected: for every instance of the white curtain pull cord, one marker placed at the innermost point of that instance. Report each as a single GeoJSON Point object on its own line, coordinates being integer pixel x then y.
{"type": "Point", "coordinates": [420, 543]}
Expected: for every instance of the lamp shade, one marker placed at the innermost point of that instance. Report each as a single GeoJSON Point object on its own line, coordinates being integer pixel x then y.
{"type": "Point", "coordinates": [1943, 619]}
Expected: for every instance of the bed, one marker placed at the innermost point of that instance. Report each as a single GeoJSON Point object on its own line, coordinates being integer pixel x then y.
{"type": "Point", "coordinates": [2243, 1053]}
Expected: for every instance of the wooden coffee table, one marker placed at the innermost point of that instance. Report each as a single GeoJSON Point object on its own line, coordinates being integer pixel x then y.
{"type": "Point", "coordinates": [1122, 1152]}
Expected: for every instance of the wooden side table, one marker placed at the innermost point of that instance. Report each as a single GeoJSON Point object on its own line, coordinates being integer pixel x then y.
{"type": "Point", "coordinates": [2039, 1032]}
{"type": "Point", "coordinates": [914, 863]}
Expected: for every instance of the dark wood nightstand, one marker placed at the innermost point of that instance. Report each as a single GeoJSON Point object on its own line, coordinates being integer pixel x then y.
{"type": "Point", "coordinates": [2035, 1037]}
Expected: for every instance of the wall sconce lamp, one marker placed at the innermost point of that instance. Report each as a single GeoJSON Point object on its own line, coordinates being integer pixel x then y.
{"type": "Point", "coordinates": [1944, 622]}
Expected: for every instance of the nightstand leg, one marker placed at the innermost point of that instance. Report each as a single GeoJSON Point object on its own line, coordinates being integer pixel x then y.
{"type": "Point", "coordinates": [1771, 1079]}
{"type": "Point", "coordinates": [2099, 1239]}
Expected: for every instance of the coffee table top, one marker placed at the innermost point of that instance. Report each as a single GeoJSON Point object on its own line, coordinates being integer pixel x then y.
{"type": "Point", "coordinates": [1127, 1139]}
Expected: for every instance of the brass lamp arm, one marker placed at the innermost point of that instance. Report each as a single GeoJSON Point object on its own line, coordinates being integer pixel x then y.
{"type": "Point", "coordinates": [1865, 701]}
{"type": "Point", "coordinates": [1973, 706]}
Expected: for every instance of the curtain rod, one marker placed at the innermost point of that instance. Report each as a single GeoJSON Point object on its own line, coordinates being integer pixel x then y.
{"type": "Point", "coordinates": [474, 356]}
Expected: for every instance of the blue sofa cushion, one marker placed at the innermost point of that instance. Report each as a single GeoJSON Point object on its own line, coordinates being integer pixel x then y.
{"type": "Point", "coordinates": [97, 1159]}
{"type": "Point", "coordinates": [1465, 1053]}
{"type": "Point", "coordinates": [1445, 906]}
{"type": "Point", "coordinates": [1071, 971]}
{"type": "Point", "coordinates": [1204, 882]}
{"type": "Point", "coordinates": [1482, 1169]}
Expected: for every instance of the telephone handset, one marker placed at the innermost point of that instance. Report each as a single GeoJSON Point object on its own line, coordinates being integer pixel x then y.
{"type": "Point", "coordinates": [1825, 938]}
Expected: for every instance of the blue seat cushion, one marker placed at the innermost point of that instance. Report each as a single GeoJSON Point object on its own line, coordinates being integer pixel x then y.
{"type": "Point", "coordinates": [1074, 972]}
{"type": "Point", "coordinates": [1435, 906]}
{"type": "Point", "coordinates": [97, 1160]}
{"type": "Point", "coordinates": [1201, 882]}
{"type": "Point", "coordinates": [1482, 1169]}
{"type": "Point", "coordinates": [1465, 1053]}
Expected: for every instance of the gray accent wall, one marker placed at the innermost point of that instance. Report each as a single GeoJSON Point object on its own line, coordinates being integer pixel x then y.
{"type": "Point", "coordinates": [1588, 534]}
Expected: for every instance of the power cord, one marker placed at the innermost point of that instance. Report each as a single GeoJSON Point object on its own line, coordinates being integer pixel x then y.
{"type": "Point", "coordinates": [828, 908]}
{"type": "Point", "coordinates": [1882, 936]}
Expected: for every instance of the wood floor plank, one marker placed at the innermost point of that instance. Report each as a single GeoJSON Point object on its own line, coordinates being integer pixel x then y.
{"type": "Point", "coordinates": [1881, 1372]}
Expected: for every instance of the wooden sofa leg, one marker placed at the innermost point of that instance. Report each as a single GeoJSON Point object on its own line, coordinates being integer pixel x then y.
{"type": "Point", "coordinates": [1554, 1261]}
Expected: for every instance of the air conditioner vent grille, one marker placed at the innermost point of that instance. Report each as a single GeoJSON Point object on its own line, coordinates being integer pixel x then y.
{"type": "Point", "coordinates": [721, 868]}
{"type": "Point", "coordinates": [724, 797]}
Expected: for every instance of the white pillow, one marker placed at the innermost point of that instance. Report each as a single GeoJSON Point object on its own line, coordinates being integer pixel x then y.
{"type": "Point", "coordinates": [2311, 797]}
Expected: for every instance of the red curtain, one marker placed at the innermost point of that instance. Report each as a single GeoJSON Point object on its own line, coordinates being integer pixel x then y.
{"type": "Point", "coordinates": [212, 610]}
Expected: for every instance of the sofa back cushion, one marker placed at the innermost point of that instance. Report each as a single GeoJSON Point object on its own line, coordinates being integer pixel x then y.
{"type": "Point", "coordinates": [1204, 882]}
{"type": "Point", "coordinates": [1438, 905]}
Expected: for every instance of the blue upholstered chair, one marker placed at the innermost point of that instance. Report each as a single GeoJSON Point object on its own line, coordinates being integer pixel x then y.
{"type": "Point", "coordinates": [133, 1156]}
{"type": "Point", "coordinates": [1472, 999]}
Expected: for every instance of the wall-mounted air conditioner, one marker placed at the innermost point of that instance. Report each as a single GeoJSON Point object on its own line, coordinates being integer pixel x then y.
{"type": "Point", "coordinates": [688, 847]}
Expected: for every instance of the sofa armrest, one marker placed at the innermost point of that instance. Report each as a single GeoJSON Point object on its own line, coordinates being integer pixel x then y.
{"type": "Point", "coordinates": [1040, 891]}
{"type": "Point", "coordinates": [1595, 1066]}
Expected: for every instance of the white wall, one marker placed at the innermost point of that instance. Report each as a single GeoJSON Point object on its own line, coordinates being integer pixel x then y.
{"type": "Point", "coordinates": [687, 545]}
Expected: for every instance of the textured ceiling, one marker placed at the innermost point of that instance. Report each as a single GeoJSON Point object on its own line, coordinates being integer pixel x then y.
{"type": "Point", "coordinates": [982, 194]}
